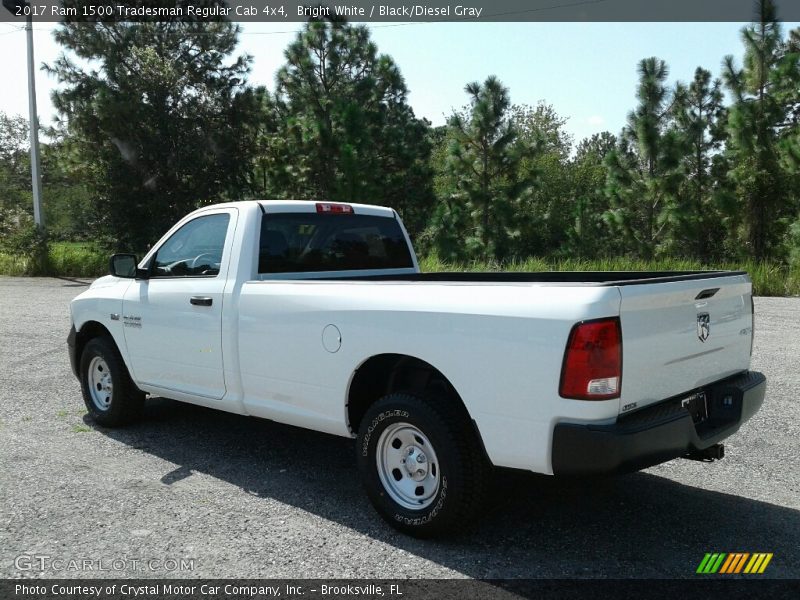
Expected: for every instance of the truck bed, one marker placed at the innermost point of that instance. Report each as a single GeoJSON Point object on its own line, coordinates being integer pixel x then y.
{"type": "Point", "coordinates": [597, 278]}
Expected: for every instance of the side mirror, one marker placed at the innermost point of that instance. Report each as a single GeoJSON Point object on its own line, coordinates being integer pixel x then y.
{"type": "Point", "coordinates": [124, 265]}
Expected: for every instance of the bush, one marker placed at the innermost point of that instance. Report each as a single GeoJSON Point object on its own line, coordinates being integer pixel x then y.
{"type": "Point", "coordinates": [25, 250]}
{"type": "Point", "coordinates": [23, 240]}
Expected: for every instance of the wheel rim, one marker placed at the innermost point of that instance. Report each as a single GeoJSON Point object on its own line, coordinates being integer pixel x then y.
{"type": "Point", "coordinates": [407, 466]}
{"type": "Point", "coordinates": [101, 386]}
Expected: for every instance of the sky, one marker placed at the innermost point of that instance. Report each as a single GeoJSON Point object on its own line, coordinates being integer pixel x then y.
{"type": "Point", "coordinates": [587, 71]}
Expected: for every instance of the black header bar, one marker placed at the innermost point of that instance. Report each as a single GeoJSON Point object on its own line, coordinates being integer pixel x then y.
{"type": "Point", "coordinates": [283, 11]}
{"type": "Point", "coordinates": [704, 587]}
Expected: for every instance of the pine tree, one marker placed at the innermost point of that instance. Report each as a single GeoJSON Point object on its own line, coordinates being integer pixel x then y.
{"type": "Point", "coordinates": [160, 124]}
{"type": "Point", "coordinates": [483, 164]}
{"type": "Point", "coordinates": [644, 169]}
{"type": "Point", "coordinates": [788, 79]}
{"type": "Point", "coordinates": [755, 126]}
{"type": "Point", "coordinates": [342, 128]}
{"type": "Point", "coordinates": [699, 116]}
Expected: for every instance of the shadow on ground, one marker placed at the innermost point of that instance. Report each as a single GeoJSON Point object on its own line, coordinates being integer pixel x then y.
{"type": "Point", "coordinates": [637, 525]}
{"type": "Point", "coordinates": [72, 282]}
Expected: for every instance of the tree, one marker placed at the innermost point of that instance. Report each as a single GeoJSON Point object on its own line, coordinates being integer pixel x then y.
{"type": "Point", "coordinates": [756, 124]}
{"type": "Point", "coordinates": [342, 128]}
{"type": "Point", "coordinates": [15, 174]}
{"type": "Point", "coordinates": [644, 168]}
{"type": "Point", "coordinates": [595, 147]}
{"type": "Point", "coordinates": [541, 127]}
{"type": "Point", "coordinates": [66, 208]}
{"type": "Point", "coordinates": [699, 119]}
{"type": "Point", "coordinates": [788, 79]}
{"type": "Point", "coordinates": [161, 123]}
{"type": "Point", "coordinates": [793, 45]}
{"type": "Point", "coordinates": [69, 212]}
{"type": "Point", "coordinates": [588, 233]}
{"type": "Point", "coordinates": [476, 219]}
{"type": "Point", "coordinates": [545, 215]}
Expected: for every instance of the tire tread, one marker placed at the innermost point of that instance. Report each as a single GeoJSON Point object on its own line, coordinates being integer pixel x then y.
{"type": "Point", "coordinates": [473, 477]}
{"type": "Point", "coordinates": [128, 400]}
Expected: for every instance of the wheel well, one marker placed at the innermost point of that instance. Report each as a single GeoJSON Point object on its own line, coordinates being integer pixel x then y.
{"type": "Point", "coordinates": [90, 330]}
{"type": "Point", "coordinates": [386, 373]}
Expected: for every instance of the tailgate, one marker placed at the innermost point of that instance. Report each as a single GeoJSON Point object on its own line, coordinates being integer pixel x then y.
{"type": "Point", "coordinates": [681, 335]}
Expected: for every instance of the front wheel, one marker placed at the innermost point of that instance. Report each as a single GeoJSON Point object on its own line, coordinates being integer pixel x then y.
{"type": "Point", "coordinates": [421, 463]}
{"type": "Point", "coordinates": [110, 396]}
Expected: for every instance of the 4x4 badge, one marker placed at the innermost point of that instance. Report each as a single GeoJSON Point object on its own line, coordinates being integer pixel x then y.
{"type": "Point", "coordinates": [703, 326]}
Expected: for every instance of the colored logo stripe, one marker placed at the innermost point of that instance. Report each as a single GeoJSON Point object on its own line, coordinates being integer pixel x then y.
{"type": "Point", "coordinates": [724, 563]}
{"type": "Point", "coordinates": [758, 563]}
{"type": "Point", "coordinates": [735, 562]}
{"type": "Point", "coordinates": [711, 562]}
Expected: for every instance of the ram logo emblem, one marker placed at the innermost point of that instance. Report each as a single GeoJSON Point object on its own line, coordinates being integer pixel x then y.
{"type": "Point", "coordinates": [703, 326]}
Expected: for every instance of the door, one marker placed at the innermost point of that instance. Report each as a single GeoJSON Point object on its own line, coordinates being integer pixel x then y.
{"type": "Point", "coordinates": [173, 320]}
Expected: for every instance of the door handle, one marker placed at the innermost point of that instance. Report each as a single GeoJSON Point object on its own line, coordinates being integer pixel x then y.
{"type": "Point", "coordinates": [201, 300]}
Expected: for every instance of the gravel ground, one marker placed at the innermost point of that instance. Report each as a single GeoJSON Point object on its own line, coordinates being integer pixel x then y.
{"type": "Point", "coordinates": [243, 497]}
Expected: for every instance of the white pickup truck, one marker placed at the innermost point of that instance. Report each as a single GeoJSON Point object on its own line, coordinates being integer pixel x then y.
{"type": "Point", "coordinates": [316, 315]}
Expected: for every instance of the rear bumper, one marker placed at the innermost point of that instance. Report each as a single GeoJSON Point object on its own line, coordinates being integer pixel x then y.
{"type": "Point", "coordinates": [659, 432]}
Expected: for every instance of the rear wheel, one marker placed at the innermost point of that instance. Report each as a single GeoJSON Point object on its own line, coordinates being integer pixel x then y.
{"type": "Point", "coordinates": [108, 392]}
{"type": "Point", "coordinates": [421, 463]}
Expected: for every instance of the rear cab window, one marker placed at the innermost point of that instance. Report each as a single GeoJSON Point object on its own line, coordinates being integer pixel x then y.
{"type": "Point", "coordinates": [304, 242]}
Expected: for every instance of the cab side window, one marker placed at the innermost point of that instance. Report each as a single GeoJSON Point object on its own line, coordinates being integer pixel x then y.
{"type": "Point", "coordinates": [195, 250]}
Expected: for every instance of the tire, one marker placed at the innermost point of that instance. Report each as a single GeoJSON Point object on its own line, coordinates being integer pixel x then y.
{"type": "Point", "coordinates": [422, 464]}
{"type": "Point", "coordinates": [108, 391]}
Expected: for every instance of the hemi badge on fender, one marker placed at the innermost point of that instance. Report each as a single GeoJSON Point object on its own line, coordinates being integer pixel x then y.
{"type": "Point", "coordinates": [114, 317]}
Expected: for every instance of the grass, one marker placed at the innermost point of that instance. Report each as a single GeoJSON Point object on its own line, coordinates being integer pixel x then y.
{"type": "Point", "coordinates": [65, 259]}
{"type": "Point", "coordinates": [81, 429]}
{"type": "Point", "coordinates": [81, 259]}
{"type": "Point", "coordinates": [76, 259]}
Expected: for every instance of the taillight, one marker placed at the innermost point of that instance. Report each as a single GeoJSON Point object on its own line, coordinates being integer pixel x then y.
{"type": "Point", "coordinates": [337, 209]}
{"type": "Point", "coordinates": [592, 368]}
